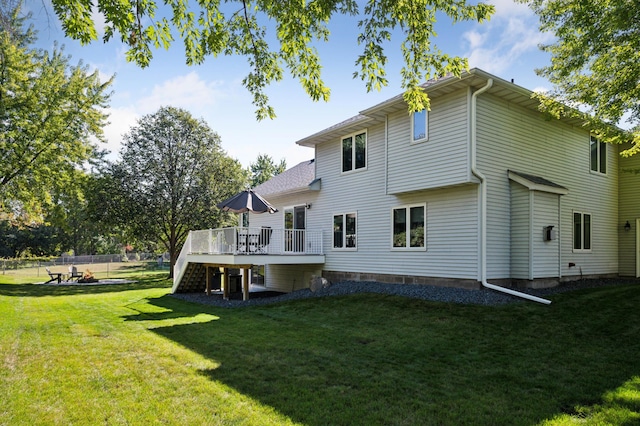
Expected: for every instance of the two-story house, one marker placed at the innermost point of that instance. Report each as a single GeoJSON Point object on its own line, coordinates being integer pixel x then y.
{"type": "Point", "coordinates": [481, 189]}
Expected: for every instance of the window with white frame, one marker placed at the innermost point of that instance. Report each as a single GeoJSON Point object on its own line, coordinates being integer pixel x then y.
{"type": "Point", "coordinates": [581, 231]}
{"type": "Point", "coordinates": [354, 152]}
{"type": "Point", "coordinates": [409, 224]}
{"type": "Point", "coordinates": [344, 231]}
{"type": "Point", "coordinates": [598, 150]}
{"type": "Point", "coordinates": [420, 125]}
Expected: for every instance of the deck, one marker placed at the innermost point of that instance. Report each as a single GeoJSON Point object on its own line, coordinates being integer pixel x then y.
{"type": "Point", "coordinates": [209, 252]}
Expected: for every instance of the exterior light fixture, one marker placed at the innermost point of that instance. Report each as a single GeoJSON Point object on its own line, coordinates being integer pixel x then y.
{"type": "Point", "coordinates": [627, 226]}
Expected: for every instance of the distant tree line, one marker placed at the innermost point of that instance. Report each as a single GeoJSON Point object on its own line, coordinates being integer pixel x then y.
{"type": "Point", "coordinates": [58, 191]}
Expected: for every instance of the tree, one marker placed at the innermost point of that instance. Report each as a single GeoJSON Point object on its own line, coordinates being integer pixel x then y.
{"type": "Point", "coordinates": [171, 175]}
{"type": "Point", "coordinates": [19, 240]}
{"type": "Point", "coordinates": [264, 169]}
{"type": "Point", "coordinates": [247, 28]}
{"type": "Point", "coordinates": [49, 113]}
{"type": "Point", "coordinates": [595, 64]}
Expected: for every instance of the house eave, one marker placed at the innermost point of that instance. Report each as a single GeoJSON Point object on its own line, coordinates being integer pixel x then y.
{"type": "Point", "coordinates": [348, 126]}
{"type": "Point", "coordinates": [532, 185]}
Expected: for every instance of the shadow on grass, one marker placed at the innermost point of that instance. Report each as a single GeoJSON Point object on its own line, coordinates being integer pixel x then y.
{"type": "Point", "coordinates": [40, 290]}
{"type": "Point", "coordinates": [163, 308]}
{"type": "Point", "coordinates": [374, 359]}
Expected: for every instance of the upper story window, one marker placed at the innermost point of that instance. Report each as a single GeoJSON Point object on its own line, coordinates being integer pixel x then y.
{"type": "Point", "coordinates": [598, 155]}
{"type": "Point", "coordinates": [409, 224]}
{"type": "Point", "coordinates": [344, 231]}
{"type": "Point", "coordinates": [419, 124]}
{"type": "Point", "coordinates": [354, 152]}
{"type": "Point", "coordinates": [581, 231]}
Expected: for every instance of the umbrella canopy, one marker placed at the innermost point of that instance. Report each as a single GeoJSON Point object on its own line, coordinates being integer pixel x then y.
{"type": "Point", "coordinates": [246, 201]}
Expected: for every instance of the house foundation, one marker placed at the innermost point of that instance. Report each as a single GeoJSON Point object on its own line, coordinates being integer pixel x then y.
{"type": "Point", "coordinates": [337, 276]}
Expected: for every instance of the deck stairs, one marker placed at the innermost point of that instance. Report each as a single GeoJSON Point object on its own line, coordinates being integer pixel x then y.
{"type": "Point", "coordinates": [194, 279]}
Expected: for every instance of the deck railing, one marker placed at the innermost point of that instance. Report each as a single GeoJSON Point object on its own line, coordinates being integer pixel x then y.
{"type": "Point", "coordinates": [249, 241]}
{"type": "Point", "coordinates": [254, 241]}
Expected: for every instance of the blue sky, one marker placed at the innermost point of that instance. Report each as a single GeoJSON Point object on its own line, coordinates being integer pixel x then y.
{"type": "Point", "coordinates": [506, 46]}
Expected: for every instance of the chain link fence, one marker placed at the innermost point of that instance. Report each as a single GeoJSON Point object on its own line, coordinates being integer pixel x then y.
{"type": "Point", "coordinates": [101, 266]}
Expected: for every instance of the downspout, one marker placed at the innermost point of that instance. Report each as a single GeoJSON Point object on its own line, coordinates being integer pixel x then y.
{"type": "Point", "coordinates": [483, 206]}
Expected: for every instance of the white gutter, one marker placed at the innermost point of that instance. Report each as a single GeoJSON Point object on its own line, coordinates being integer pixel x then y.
{"type": "Point", "coordinates": [483, 207]}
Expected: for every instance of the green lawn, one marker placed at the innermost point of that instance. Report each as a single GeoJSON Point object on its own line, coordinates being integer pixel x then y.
{"type": "Point", "coordinates": [132, 354]}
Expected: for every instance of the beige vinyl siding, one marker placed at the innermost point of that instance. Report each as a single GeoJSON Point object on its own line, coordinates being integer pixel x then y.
{"type": "Point", "coordinates": [510, 137]}
{"type": "Point", "coordinates": [545, 253]}
{"type": "Point", "coordinates": [287, 278]}
{"type": "Point", "coordinates": [531, 256]}
{"type": "Point", "coordinates": [451, 219]}
{"type": "Point", "coordinates": [520, 232]}
{"type": "Point", "coordinates": [442, 160]}
{"type": "Point", "coordinates": [451, 236]}
{"type": "Point", "coordinates": [629, 211]}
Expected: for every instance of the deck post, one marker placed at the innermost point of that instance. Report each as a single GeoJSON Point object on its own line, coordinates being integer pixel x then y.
{"type": "Point", "coordinates": [225, 289]}
{"type": "Point", "coordinates": [245, 284]}
{"type": "Point", "coordinates": [208, 278]}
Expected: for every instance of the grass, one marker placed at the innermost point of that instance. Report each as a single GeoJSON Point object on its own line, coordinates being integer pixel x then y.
{"type": "Point", "coordinates": [99, 270]}
{"type": "Point", "coordinates": [132, 354]}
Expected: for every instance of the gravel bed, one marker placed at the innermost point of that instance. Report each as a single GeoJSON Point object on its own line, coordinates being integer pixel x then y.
{"type": "Point", "coordinates": [424, 292]}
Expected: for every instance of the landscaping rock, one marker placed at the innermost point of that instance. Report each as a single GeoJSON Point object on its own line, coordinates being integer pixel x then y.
{"type": "Point", "coordinates": [425, 292]}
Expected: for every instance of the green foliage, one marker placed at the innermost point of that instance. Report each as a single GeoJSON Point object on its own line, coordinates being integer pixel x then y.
{"type": "Point", "coordinates": [264, 169]}
{"type": "Point", "coordinates": [595, 63]}
{"type": "Point", "coordinates": [249, 28]}
{"type": "Point", "coordinates": [49, 113]}
{"type": "Point", "coordinates": [422, 60]}
{"type": "Point", "coordinates": [172, 174]}
{"type": "Point", "coordinates": [33, 240]}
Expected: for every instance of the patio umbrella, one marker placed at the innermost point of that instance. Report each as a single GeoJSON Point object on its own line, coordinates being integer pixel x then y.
{"type": "Point", "coordinates": [246, 201]}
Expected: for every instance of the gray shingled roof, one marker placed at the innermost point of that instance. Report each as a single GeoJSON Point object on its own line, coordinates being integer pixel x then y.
{"type": "Point", "coordinates": [533, 182]}
{"type": "Point", "coordinates": [297, 178]}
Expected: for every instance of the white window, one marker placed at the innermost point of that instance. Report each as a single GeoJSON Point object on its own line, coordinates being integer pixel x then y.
{"type": "Point", "coordinates": [409, 224]}
{"type": "Point", "coordinates": [598, 155]}
{"type": "Point", "coordinates": [581, 231]}
{"type": "Point", "coordinates": [344, 231]}
{"type": "Point", "coordinates": [420, 125]}
{"type": "Point", "coordinates": [354, 152]}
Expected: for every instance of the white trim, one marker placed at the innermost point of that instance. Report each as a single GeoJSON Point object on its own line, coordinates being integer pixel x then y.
{"type": "Point", "coordinates": [426, 127]}
{"type": "Point", "coordinates": [532, 212]}
{"type": "Point", "coordinates": [344, 232]}
{"type": "Point", "coordinates": [407, 208]}
{"type": "Point", "coordinates": [599, 145]}
{"type": "Point", "coordinates": [531, 186]}
{"type": "Point", "coordinates": [353, 152]}
{"type": "Point", "coordinates": [573, 230]}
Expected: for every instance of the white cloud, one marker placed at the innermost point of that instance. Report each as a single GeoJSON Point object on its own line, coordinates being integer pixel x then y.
{"type": "Point", "coordinates": [475, 39]}
{"type": "Point", "coordinates": [120, 122]}
{"type": "Point", "coordinates": [541, 89]}
{"type": "Point", "coordinates": [99, 20]}
{"type": "Point", "coordinates": [187, 91]}
{"type": "Point", "coordinates": [510, 35]}
{"type": "Point", "coordinates": [508, 8]}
